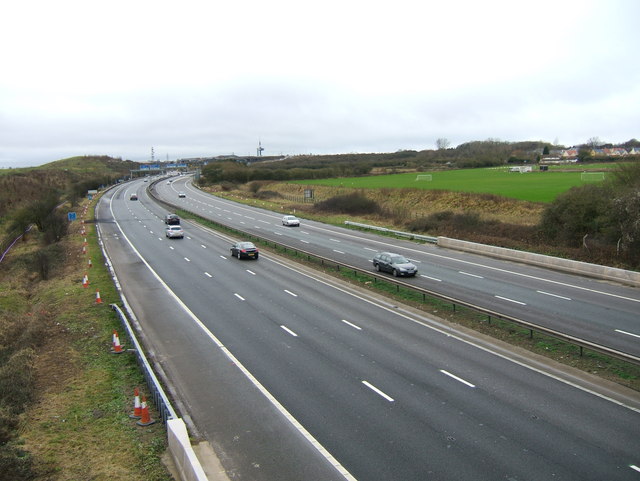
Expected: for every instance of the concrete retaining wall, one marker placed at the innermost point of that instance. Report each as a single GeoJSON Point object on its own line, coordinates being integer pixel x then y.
{"type": "Point", "coordinates": [583, 268]}
{"type": "Point", "coordinates": [184, 457]}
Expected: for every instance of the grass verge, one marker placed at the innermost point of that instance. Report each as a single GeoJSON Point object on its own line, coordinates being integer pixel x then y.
{"type": "Point", "coordinates": [77, 425]}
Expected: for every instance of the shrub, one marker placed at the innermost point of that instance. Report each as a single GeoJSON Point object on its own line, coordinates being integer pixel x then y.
{"type": "Point", "coordinates": [16, 380]}
{"type": "Point", "coordinates": [352, 204]}
{"type": "Point", "coordinates": [227, 186]}
{"type": "Point", "coordinates": [268, 194]}
{"type": "Point", "coordinates": [8, 424]}
{"type": "Point", "coordinates": [54, 227]}
{"type": "Point", "coordinates": [446, 222]}
{"type": "Point", "coordinates": [578, 212]}
{"type": "Point", "coordinates": [16, 463]}
{"type": "Point", "coordinates": [254, 186]}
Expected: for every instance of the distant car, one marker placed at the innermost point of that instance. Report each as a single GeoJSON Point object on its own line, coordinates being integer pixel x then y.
{"type": "Point", "coordinates": [290, 220]}
{"type": "Point", "coordinates": [172, 219]}
{"type": "Point", "coordinates": [133, 197]}
{"type": "Point", "coordinates": [244, 249]}
{"type": "Point", "coordinates": [182, 194]}
{"type": "Point", "coordinates": [174, 232]}
{"type": "Point", "coordinates": [168, 182]}
{"type": "Point", "coordinates": [394, 263]}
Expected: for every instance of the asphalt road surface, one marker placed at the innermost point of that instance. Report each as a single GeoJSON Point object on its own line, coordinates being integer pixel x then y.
{"type": "Point", "coordinates": [291, 376]}
{"type": "Point", "coordinates": [602, 312]}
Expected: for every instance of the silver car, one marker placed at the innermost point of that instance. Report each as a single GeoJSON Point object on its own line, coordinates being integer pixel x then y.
{"type": "Point", "coordinates": [396, 264]}
{"type": "Point", "coordinates": [174, 232]}
{"type": "Point", "coordinates": [290, 220]}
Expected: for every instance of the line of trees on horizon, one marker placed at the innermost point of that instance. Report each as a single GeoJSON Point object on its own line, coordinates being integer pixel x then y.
{"type": "Point", "coordinates": [488, 153]}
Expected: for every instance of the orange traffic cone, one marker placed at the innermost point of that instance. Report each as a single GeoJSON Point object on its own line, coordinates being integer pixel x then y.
{"type": "Point", "coordinates": [90, 264]}
{"type": "Point", "coordinates": [137, 409]}
{"type": "Point", "coordinates": [85, 281]}
{"type": "Point", "coordinates": [84, 249]}
{"type": "Point", "coordinates": [98, 300]}
{"type": "Point", "coordinates": [116, 347]}
{"type": "Point", "coordinates": [145, 418]}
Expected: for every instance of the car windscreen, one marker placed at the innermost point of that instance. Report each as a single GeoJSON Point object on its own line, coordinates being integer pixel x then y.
{"type": "Point", "coordinates": [399, 260]}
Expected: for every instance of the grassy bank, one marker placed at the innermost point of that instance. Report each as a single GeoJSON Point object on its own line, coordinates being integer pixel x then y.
{"type": "Point", "coordinates": [74, 423]}
{"type": "Point", "coordinates": [535, 186]}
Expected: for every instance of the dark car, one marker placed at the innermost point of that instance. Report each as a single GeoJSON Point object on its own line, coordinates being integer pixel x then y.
{"type": "Point", "coordinates": [244, 250]}
{"type": "Point", "coordinates": [172, 219]}
{"type": "Point", "coordinates": [396, 264]}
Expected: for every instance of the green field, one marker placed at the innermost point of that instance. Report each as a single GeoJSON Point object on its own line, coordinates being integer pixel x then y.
{"type": "Point", "coordinates": [533, 186]}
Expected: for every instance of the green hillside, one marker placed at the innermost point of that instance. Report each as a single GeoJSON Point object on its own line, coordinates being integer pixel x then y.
{"type": "Point", "coordinates": [66, 178]}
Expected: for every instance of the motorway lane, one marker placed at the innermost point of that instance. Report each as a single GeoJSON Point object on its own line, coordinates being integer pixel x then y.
{"type": "Point", "coordinates": [315, 350]}
{"type": "Point", "coordinates": [249, 434]}
{"type": "Point", "coordinates": [602, 312]}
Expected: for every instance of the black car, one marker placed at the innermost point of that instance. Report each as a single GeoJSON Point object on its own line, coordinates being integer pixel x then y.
{"type": "Point", "coordinates": [244, 250]}
{"type": "Point", "coordinates": [172, 219]}
{"type": "Point", "coordinates": [396, 264]}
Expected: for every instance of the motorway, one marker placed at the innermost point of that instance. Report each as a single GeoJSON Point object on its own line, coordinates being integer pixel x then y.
{"type": "Point", "coordinates": [601, 312]}
{"type": "Point", "coordinates": [292, 376]}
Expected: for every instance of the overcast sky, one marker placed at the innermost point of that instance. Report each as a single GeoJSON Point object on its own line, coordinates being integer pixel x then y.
{"type": "Point", "coordinates": [195, 78]}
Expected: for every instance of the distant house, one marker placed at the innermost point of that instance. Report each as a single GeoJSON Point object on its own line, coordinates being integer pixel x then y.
{"type": "Point", "coordinates": [614, 152]}
{"type": "Point", "coordinates": [569, 153]}
{"type": "Point", "coordinates": [634, 151]}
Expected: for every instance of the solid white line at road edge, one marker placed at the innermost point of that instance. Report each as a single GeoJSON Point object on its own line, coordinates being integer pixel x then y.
{"type": "Point", "coordinates": [288, 416]}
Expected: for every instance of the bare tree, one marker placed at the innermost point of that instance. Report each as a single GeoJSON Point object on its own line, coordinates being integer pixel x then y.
{"type": "Point", "coordinates": [442, 143]}
{"type": "Point", "coordinates": [594, 142]}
